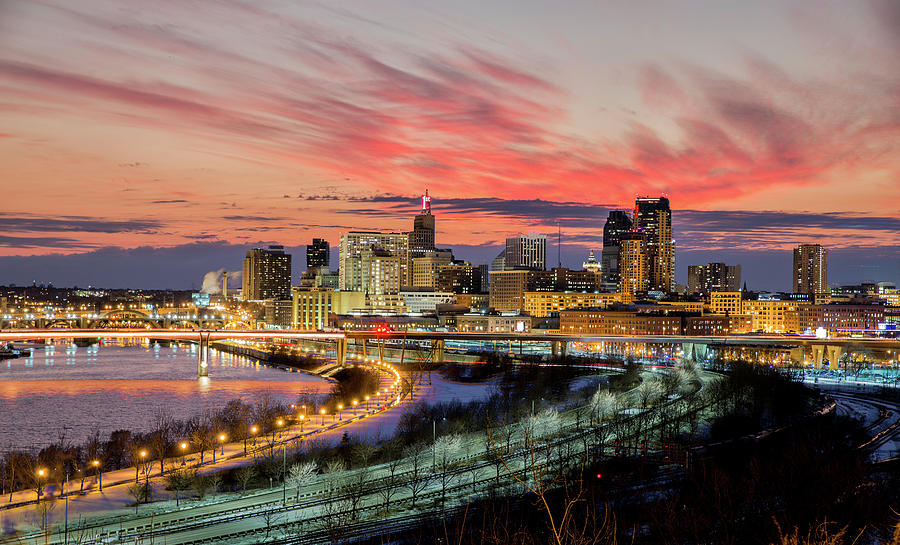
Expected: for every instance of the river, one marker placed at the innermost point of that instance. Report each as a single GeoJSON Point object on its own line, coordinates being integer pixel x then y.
{"type": "Point", "coordinates": [68, 391]}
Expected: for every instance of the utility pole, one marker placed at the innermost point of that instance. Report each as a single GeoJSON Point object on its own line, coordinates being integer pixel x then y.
{"type": "Point", "coordinates": [66, 539]}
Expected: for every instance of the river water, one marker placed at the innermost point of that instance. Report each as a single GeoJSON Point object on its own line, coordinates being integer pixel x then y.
{"type": "Point", "coordinates": [67, 390]}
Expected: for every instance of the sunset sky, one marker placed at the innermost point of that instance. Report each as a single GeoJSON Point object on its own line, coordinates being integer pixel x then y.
{"type": "Point", "coordinates": [144, 143]}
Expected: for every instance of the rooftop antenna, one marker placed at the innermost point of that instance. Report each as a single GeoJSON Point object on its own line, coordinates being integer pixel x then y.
{"type": "Point", "coordinates": [558, 245]}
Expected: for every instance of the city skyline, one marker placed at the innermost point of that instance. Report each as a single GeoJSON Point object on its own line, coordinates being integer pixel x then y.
{"type": "Point", "coordinates": [773, 127]}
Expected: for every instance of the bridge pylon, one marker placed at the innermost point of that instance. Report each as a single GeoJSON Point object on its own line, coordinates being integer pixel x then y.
{"type": "Point", "coordinates": [203, 358]}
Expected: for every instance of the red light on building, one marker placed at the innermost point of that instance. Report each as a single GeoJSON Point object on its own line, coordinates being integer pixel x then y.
{"type": "Point", "coordinates": [426, 203]}
{"type": "Point", "coordinates": [383, 330]}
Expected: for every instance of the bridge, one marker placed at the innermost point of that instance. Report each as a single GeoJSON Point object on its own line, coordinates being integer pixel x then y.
{"type": "Point", "coordinates": [788, 348]}
{"type": "Point", "coordinates": [126, 318]}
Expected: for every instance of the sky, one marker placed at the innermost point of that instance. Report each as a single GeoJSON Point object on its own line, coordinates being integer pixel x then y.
{"type": "Point", "coordinates": [144, 144]}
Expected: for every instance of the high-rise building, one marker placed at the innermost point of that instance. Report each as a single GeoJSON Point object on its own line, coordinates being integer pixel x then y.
{"type": "Point", "coordinates": [617, 224]}
{"type": "Point", "coordinates": [713, 277]}
{"type": "Point", "coordinates": [357, 249]}
{"type": "Point", "coordinates": [318, 253]}
{"type": "Point", "coordinates": [459, 278]}
{"type": "Point", "coordinates": [526, 252]}
{"type": "Point", "coordinates": [383, 272]}
{"type": "Point", "coordinates": [810, 269]}
{"type": "Point", "coordinates": [653, 218]}
{"type": "Point", "coordinates": [267, 274]}
{"type": "Point", "coordinates": [425, 269]}
{"type": "Point", "coordinates": [633, 270]}
{"type": "Point", "coordinates": [499, 262]}
{"type": "Point", "coordinates": [421, 238]}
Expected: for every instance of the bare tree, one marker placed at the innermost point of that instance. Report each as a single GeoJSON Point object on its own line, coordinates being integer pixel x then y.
{"type": "Point", "coordinates": [393, 453]}
{"type": "Point", "coordinates": [178, 480]}
{"type": "Point", "coordinates": [300, 474]}
{"type": "Point", "coordinates": [161, 436]}
{"type": "Point", "coordinates": [445, 448]}
{"type": "Point", "coordinates": [141, 492]}
{"type": "Point", "coordinates": [417, 479]}
{"type": "Point", "coordinates": [245, 475]}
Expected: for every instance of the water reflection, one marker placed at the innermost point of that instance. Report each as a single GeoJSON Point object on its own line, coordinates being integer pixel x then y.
{"type": "Point", "coordinates": [120, 385]}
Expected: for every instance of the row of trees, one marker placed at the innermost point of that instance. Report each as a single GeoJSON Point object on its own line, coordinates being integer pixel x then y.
{"type": "Point", "coordinates": [169, 439]}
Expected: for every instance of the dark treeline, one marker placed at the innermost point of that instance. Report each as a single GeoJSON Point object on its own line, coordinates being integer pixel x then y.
{"type": "Point", "coordinates": [236, 421]}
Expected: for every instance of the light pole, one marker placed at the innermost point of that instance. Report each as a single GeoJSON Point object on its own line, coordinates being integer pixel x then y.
{"type": "Point", "coordinates": [40, 490]}
{"type": "Point", "coordinates": [96, 464]}
{"type": "Point", "coordinates": [253, 430]}
{"type": "Point", "coordinates": [137, 465]}
{"type": "Point", "coordinates": [340, 408]}
{"type": "Point", "coordinates": [302, 418]}
{"type": "Point", "coordinates": [222, 441]}
{"type": "Point", "coordinates": [322, 412]}
{"type": "Point", "coordinates": [355, 403]}
{"type": "Point", "coordinates": [184, 446]}
{"type": "Point", "coordinates": [146, 469]}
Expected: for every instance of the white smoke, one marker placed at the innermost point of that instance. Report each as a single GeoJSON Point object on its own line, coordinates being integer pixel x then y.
{"type": "Point", "coordinates": [212, 281]}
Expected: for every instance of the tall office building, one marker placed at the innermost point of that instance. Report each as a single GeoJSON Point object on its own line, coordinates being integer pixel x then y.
{"type": "Point", "coordinates": [810, 269]}
{"type": "Point", "coordinates": [633, 267]}
{"type": "Point", "coordinates": [267, 274]}
{"type": "Point", "coordinates": [653, 218]}
{"type": "Point", "coordinates": [318, 253]}
{"type": "Point", "coordinates": [617, 224]}
{"type": "Point", "coordinates": [526, 252]}
{"type": "Point", "coordinates": [421, 238]}
{"type": "Point", "coordinates": [356, 253]}
{"type": "Point", "coordinates": [714, 277]}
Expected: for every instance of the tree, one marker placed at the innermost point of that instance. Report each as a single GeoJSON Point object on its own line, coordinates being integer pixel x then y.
{"type": "Point", "coordinates": [392, 452]}
{"type": "Point", "coordinates": [178, 480]}
{"type": "Point", "coordinates": [416, 480]}
{"type": "Point", "coordinates": [202, 484]}
{"type": "Point", "coordinates": [245, 475]}
{"type": "Point", "coordinates": [141, 492]}
{"type": "Point", "coordinates": [161, 436]}
{"type": "Point", "coordinates": [445, 448]}
{"type": "Point", "coordinates": [300, 474]}
{"type": "Point", "coordinates": [202, 438]}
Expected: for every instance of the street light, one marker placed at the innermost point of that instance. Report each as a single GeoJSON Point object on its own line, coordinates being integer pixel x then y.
{"type": "Point", "coordinates": [143, 454]}
{"type": "Point", "coordinates": [40, 491]}
{"type": "Point", "coordinates": [222, 441]}
{"type": "Point", "coordinates": [340, 407]}
{"type": "Point", "coordinates": [355, 403]}
{"type": "Point", "coordinates": [367, 402]}
{"type": "Point", "coordinates": [322, 412]}
{"type": "Point", "coordinates": [96, 464]}
{"type": "Point", "coordinates": [184, 447]}
{"type": "Point", "coordinates": [302, 417]}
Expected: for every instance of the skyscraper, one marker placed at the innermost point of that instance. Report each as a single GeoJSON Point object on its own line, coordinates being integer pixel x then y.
{"type": "Point", "coordinates": [356, 256]}
{"type": "Point", "coordinates": [617, 224]}
{"type": "Point", "coordinates": [526, 252]}
{"type": "Point", "coordinates": [421, 238]}
{"type": "Point", "coordinates": [267, 274]}
{"type": "Point", "coordinates": [654, 218]}
{"type": "Point", "coordinates": [714, 277]}
{"type": "Point", "coordinates": [318, 253]}
{"type": "Point", "coordinates": [810, 269]}
{"type": "Point", "coordinates": [633, 269]}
